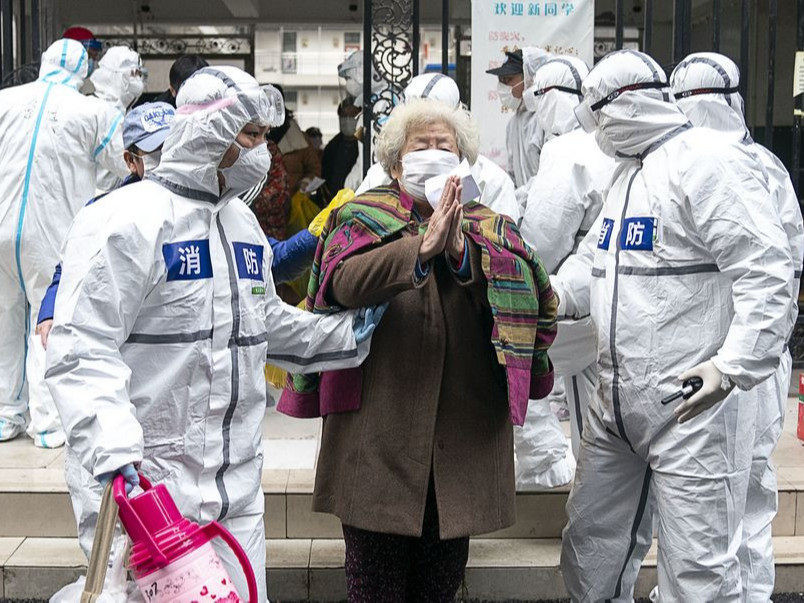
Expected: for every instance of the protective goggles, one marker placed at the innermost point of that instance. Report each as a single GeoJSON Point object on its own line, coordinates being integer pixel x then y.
{"type": "Point", "coordinates": [586, 111]}
{"type": "Point", "coordinates": [566, 89]}
{"type": "Point", "coordinates": [697, 91]}
{"type": "Point", "coordinates": [530, 95]}
{"type": "Point", "coordinates": [276, 104]}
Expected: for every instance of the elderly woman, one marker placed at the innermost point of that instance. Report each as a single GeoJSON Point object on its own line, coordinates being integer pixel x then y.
{"type": "Point", "coordinates": [417, 447]}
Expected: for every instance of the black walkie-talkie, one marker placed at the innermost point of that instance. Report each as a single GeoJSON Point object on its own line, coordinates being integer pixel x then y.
{"type": "Point", "coordinates": [688, 388]}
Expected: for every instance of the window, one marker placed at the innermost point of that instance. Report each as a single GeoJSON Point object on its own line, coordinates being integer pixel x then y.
{"type": "Point", "coordinates": [351, 41]}
{"type": "Point", "coordinates": [289, 52]}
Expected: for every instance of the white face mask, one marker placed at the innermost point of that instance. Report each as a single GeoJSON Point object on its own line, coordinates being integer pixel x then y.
{"type": "Point", "coordinates": [419, 166]}
{"type": "Point", "coordinates": [348, 125]}
{"type": "Point", "coordinates": [151, 161]}
{"type": "Point", "coordinates": [506, 96]}
{"type": "Point", "coordinates": [248, 169]}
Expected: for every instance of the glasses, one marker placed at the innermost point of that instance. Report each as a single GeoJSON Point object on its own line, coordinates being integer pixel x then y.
{"type": "Point", "coordinates": [697, 91]}
{"type": "Point", "coordinates": [566, 89]}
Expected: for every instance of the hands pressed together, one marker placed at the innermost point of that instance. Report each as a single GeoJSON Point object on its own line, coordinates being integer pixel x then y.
{"type": "Point", "coordinates": [444, 228]}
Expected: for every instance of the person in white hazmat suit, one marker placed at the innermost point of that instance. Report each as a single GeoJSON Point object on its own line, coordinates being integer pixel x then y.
{"type": "Point", "coordinates": [706, 86]}
{"type": "Point", "coordinates": [350, 78]}
{"type": "Point", "coordinates": [496, 187]}
{"type": "Point", "coordinates": [564, 200]}
{"type": "Point", "coordinates": [118, 81]}
{"type": "Point", "coordinates": [686, 273]}
{"type": "Point", "coordinates": [524, 136]}
{"type": "Point", "coordinates": [167, 312]}
{"type": "Point", "coordinates": [54, 141]}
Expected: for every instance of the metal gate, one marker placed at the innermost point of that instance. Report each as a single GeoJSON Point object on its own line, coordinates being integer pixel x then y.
{"type": "Point", "coordinates": [714, 10]}
{"type": "Point", "coordinates": [391, 57]}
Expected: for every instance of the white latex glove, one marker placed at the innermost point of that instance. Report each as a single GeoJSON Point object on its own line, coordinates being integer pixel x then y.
{"type": "Point", "coordinates": [715, 388]}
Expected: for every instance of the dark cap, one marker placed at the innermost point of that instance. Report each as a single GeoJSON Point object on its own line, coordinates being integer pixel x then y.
{"type": "Point", "coordinates": [512, 65]}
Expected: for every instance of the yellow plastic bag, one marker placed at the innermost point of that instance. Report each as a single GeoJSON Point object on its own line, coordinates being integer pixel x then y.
{"type": "Point", "coordinates": [302, 212]}
{"type": "Point", "coordinates": [317, 225]}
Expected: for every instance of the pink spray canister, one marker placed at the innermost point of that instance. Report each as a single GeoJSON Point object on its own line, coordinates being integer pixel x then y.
{"type": "Point", "coordinates": [172, 558]}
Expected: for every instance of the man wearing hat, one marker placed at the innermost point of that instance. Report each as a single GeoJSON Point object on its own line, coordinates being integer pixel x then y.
{"type": "Point", "coordinates": [524, 136]}
{"type": "Point", "coordinates": [144, 130]}
{"type": "Point", "coordinates": [88, 40]}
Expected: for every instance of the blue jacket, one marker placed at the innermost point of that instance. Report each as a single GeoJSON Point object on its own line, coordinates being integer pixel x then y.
{"type": "Point", "coordinates": [291, 259]}
{"type": "Point", "coordinates": [293, 256]}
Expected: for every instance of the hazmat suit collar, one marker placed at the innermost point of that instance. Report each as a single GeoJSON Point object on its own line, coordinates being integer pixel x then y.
{"type": "Point", "coordinates": [64, 63]}
{"type": "Point", "coordinates": [634, 124]}
{"type": "Point", "coordinates": [212, 107]}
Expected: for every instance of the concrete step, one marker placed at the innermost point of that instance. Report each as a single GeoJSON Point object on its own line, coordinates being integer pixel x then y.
{"type": "Point", "coordinates": [312, 569]}
{"type": "Point", "coordinates": [34, 500]}
{"type": "Point", "coordinates": [34, 503]}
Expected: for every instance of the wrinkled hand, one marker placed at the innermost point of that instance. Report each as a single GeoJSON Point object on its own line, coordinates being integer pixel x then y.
{"type": "Point", "coordinates": [367, 320]}
{"type": "Point", "coordinates": [440, 224]}
{"type": "Point", "coordinates": [129, 472]}
{"type": "Point", "coordinates": [456, 241]}
{"type": "Point", "coordinates": [43, 330]}
{"type": "Point", "coordinates": [711, 393]}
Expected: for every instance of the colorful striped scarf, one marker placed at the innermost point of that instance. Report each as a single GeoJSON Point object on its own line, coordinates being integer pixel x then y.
{"type": "Point", "coordinates": [522, 302]}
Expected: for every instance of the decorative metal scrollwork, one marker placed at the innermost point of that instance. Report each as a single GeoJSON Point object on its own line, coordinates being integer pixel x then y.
{"type": "Point", "coordinates": [172, 45]}
{"type": "Point", "coordinates": [392, 56]}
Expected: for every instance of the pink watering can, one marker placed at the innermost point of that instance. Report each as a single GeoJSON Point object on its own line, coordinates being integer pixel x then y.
{"type": "Point", "coordinates": [172, 558]}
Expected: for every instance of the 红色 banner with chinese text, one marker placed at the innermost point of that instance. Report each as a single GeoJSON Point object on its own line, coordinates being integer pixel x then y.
{"type": "Point", "coordinates": [497, 26]}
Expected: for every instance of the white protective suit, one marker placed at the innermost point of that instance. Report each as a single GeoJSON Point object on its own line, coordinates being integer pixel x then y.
{"type": "Point", "coordinates": [118, 81]}
{"type": "Point", "coordinates": [165, 317]}
{"type": "Point", "coordinates": [564, 200]}
{"type": "Point", "coordinates": [705, 86]}
{"type": "Point", "coordinates": [54, 139]}
{"type": "Point", "coordinates": [690, 264]}
{"type": "Point", "coordinates": [524, 135]}
{"type": "Point", "coordinates": [350, 74]}
{"type": "Point", "coordinates": [496, 187]}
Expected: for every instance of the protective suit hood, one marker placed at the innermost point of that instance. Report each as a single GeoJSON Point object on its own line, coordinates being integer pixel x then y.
{"type": "Point", "coordinates": [435, 86]}
{"type": "Point", "coordinates": [212, 107]}
{"type": "Point", "coordinates": [705, 86]}
{"type": "Point", "coordinates": [351, 71]}
{"type": "Point", "coordinates": [64, 62]}
{"type": "Point", "coordinates": [637, 109]}
{"type": "Point", "coordinates": [116, 80]}
{"type": "Point", "coordinates": [556, 92]}
{"type": "Point", "coordinates": [533, 57]}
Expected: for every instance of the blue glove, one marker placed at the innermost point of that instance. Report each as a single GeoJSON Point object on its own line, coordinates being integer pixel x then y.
{"type": "Point", "coordinates": [129, 472]}
{"type": "Point", "coordinates": [367, 320]}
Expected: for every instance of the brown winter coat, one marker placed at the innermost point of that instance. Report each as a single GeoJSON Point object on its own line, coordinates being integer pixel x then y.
{"type": "Point", "coordinates": [301, 159]}
{"type": "Point", "coordinates": [433, 400]}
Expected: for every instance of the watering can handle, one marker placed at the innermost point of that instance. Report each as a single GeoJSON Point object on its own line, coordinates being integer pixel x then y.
{"type": "Point", "coordinates": [136, 528]}
{"type": "Point", "coordinates": [214, 529]}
